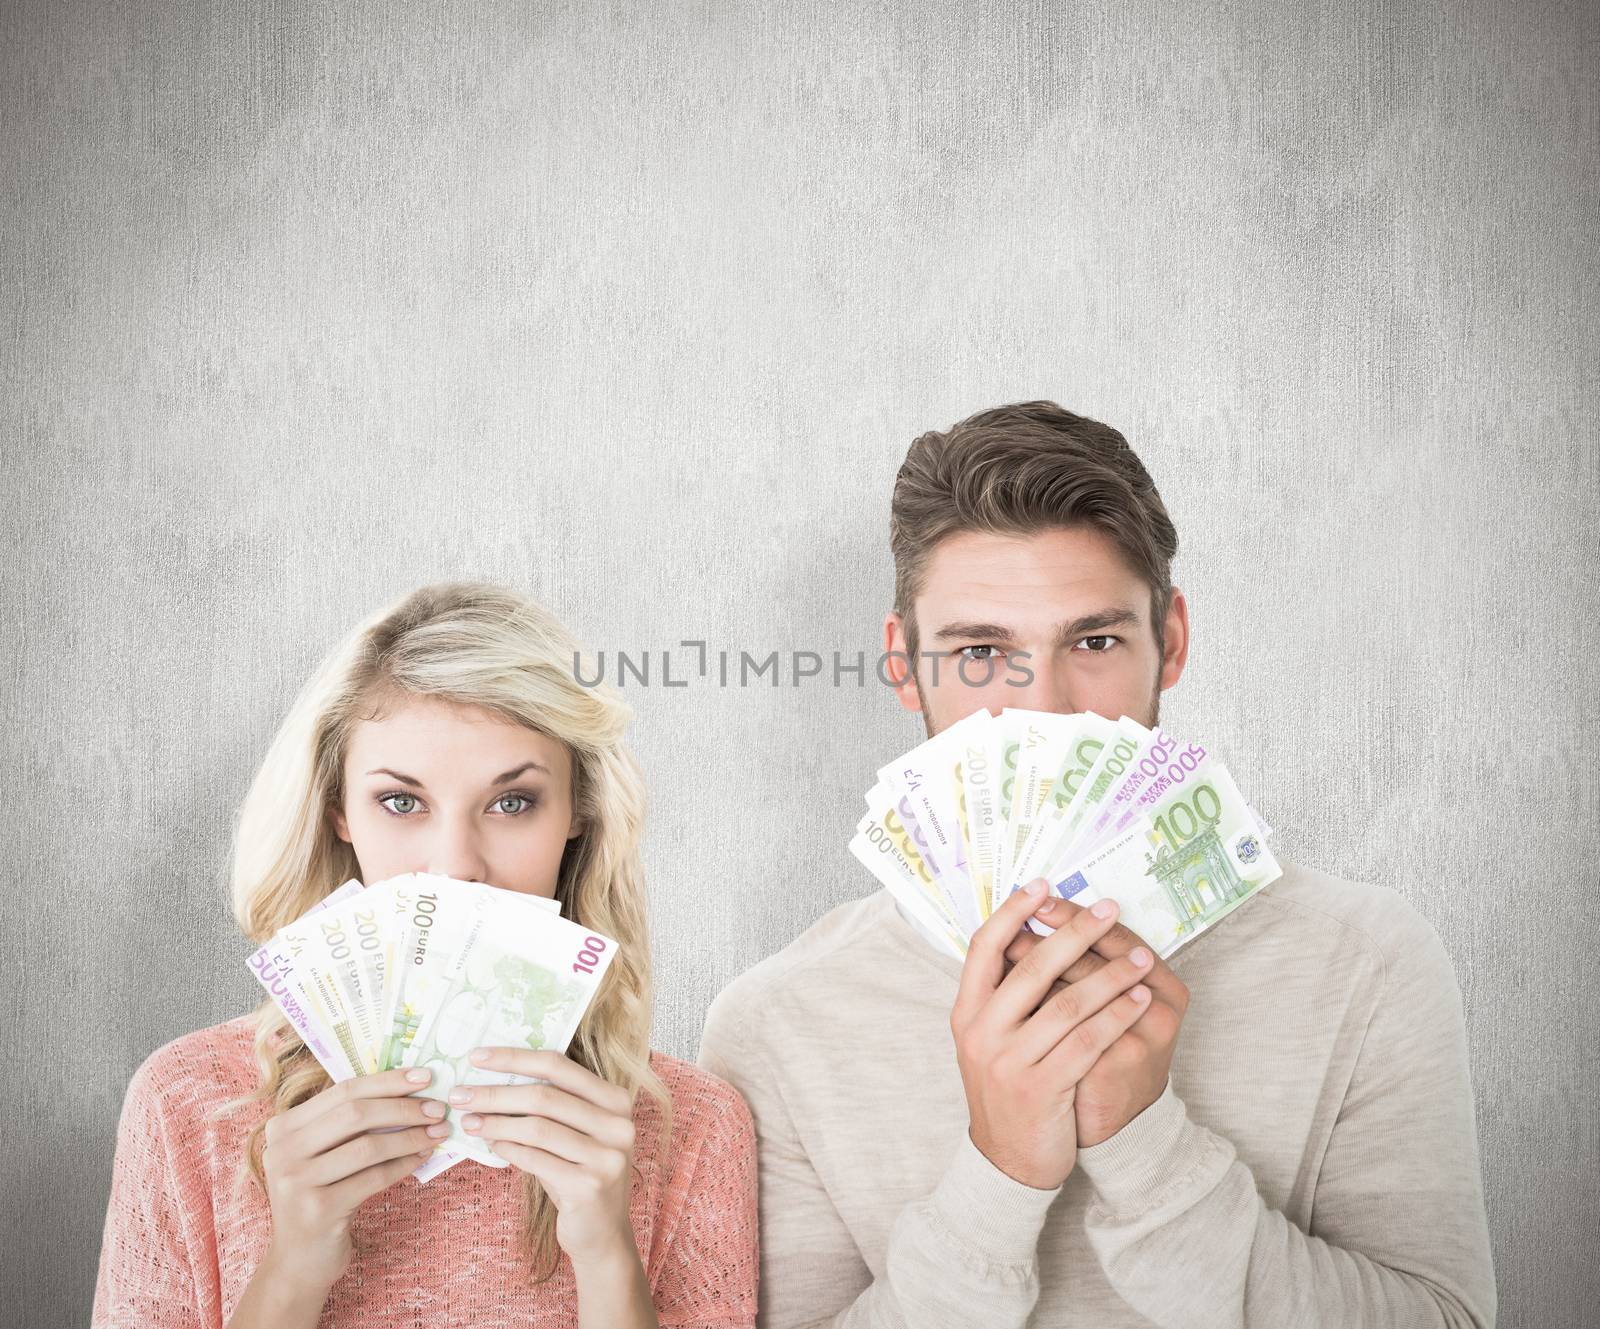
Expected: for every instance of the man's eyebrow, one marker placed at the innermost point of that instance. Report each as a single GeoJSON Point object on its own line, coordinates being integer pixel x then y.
{"type": "Point", "coordinates": [1085, 625]}
{"type": "Point", "coordinates": [499, 779]}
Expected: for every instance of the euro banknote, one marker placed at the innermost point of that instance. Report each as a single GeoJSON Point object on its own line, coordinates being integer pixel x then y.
{"type": "Point", "coordinates": [1099, 808]}
{"type": "Point", "coordinates": [419, 969]}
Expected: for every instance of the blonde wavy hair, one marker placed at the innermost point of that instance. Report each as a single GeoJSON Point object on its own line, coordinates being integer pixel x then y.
{"type": "Point", "coordinates": [491, 647]}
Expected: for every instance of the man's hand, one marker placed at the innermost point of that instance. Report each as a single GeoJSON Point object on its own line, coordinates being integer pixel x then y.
{"type": "Point", "coordinates": [1022, 1050]}
{"type": "Point", "coordinates": [1130, 1075]}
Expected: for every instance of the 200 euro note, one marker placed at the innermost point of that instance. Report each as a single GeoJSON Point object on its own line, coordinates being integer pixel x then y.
{"type": "Point", "coordinates": [1033, 750]}
{"type": "Point", "coordinates": [978, 778]}
{"type": "Point", "coordinates": [276, 969]}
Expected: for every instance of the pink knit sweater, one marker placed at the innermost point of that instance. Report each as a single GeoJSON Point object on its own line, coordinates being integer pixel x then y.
{"type": "Point", "coordinates": [182, 1237]}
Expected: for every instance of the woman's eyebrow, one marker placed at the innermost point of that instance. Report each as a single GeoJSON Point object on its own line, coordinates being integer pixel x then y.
{"type": "Point", "coordinates": [499, 779]}
{"type": "Point", "coordinates": [526, 766]}
{"type": "Point", "coordinates": [395, 775]}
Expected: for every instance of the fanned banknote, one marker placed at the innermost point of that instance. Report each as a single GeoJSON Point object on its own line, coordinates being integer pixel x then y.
{"type": "Point", "coordinates": [421, 969]}
{"type": "Point", "coordinates": [1100, 808]}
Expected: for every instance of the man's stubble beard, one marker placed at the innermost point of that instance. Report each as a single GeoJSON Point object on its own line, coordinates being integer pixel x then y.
{"type": "Point", "coordinates": [1149, 720]}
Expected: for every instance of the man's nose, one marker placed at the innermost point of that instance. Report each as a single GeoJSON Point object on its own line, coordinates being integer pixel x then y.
{"type": "Point", "coordinates": [1048, 690]}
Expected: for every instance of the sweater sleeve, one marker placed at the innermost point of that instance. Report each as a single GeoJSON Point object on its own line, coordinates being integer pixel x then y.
{"type": "Point", "coordinates": [1399, 1235]}
{"type": "Point", "coordinates": [962, 1255]}
{"type": "Point", "coordinates": [707, 1279]}
{"type": "Point", "coordinates": [156, 1234]}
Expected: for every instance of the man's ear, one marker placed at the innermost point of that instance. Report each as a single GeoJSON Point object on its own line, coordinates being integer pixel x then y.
{"type": "Point", "coordinates": [898, 667]}
{"type": "Point", "coordinates": [1175, 640]}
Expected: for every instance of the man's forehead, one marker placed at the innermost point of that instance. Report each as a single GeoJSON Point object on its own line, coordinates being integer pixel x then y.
{"type": "Point", "coordinates": [1046, 576]}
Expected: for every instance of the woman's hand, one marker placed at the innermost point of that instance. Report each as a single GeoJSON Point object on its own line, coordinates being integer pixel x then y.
{"type": "Point", "coordinates": [326, 1156]}
{"type": "Point", "coordinates": [575, 1134]}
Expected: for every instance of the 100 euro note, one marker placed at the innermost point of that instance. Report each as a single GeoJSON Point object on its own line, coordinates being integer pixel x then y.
{"type": "Point", "coordinates": [430, 919]}
{"type": "Point", "coordinates": [510, 975]}
{"type": "Point", "coordinates": [1192, 855]}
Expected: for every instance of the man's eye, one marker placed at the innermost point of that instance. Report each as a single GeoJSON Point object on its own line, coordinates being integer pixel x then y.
{"type": "Point", "coordinates": [397, 812]}
{"type": "Point", "coordinates": [965, 649]}
{"type": "Point", "coordinates": [1100, 649]}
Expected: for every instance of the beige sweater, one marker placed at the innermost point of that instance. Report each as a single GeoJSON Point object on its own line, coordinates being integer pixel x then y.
{"type": "Point", "coordinates": [1313, 1161]}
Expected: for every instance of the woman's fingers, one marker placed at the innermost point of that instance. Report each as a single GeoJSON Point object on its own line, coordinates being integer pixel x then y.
{"type": "Point", "coordinates": [356, 1115]}
{"type": "Point", "coordinates": [386, 1084]}
{"type": "Point", "coordinates": [559, 1069]}
{"type": "Point", "coordinates": [542, 1133]}
{"type": "Point", "coordinates": [372, 1150]}
{"type": "Point", "coordinates": [546, 1100]}
{"type": "Point", "coordinates": [558, 1175]}
{"type": "Point", "coordinates": [358, 1187]}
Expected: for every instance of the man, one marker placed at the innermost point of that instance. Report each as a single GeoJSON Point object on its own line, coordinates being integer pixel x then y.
{"type": "Point", "coordinates": [1274, 1129]}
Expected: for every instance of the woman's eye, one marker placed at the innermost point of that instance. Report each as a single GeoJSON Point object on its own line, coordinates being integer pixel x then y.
{"type": "Point", "coordinates": [965, 649]}
{"type": "Point", "coordinates": [398, 812]}
{"type": "Point", "coordinates": [1102, 648]}
{"type": "Point", "coordinates": [523, 799]}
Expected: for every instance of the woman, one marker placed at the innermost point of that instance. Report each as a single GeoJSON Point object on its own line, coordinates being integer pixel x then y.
{"type": "Point", "coordinates": [446, 735]}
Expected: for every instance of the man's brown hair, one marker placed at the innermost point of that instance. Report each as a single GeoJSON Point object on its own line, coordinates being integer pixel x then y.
{"type": "Point", "coordinates": [1015, 470]}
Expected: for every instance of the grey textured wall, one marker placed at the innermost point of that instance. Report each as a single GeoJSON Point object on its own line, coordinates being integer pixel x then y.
{"type": "Point", "coordinates": [639, 305]}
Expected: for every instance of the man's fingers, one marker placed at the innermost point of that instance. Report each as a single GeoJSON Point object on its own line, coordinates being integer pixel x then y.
{"type": "Point", "coordinates": [985, 963]}
{"type": "Point", "coordinates": [1030, 978]}
{"type": "Point", "coordinates": [1077, 1052]}
{"type": "Point", "coordinates": [1116, 943]}
{"type": "Point", "coordinates": [1082, 967]}
{"type": "Point", "coordinates": [1074, 1004]}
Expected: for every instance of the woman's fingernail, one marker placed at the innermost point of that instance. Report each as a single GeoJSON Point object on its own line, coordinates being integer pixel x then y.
{"type": "Point", "coordinates": [433, 1108]}
{"type": "Point", "coordinates": [439, 1130]}
{"type": "Point", "coordinates": [471, 1122]}
{"type": "Point", "coordinates": [1140, 994]}
{"type": "Point", "coordinates": [419, 1075]}
{"type": "Point", "coordinates": [1036, 888]}
{"type": "Point", "coordinates": [1139, 956]}
{"type": "Point", "coordinates": [460, 1096]}
{"type": "Point", "coordinates": [1050, 905]}
{"type": "Point", "coordinates": [1103, 908]}
{"type": "Point", "coordinates": [479, 1056]}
